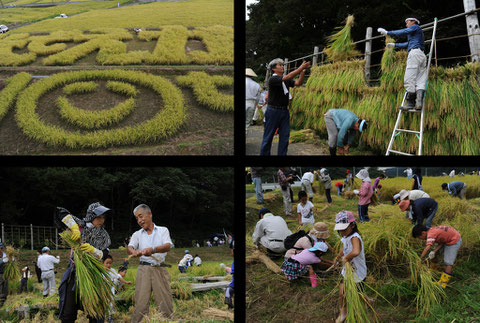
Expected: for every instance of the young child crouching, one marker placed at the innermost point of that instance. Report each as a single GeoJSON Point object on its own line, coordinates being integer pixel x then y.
{"type": "Point", "coordinates": [353, 252]}
{"type": "Point", "coordinates": [300, 264]}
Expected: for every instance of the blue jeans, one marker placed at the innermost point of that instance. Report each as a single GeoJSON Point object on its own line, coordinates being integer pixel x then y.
{"type": "Point", "coordinates": [363, 213]}
{"type": "Point", "coordinates": [339, 190]}
{"type": "Point", "coordinates": [276, 118]}
{"type": "Point", "coordinates": [257, 181]}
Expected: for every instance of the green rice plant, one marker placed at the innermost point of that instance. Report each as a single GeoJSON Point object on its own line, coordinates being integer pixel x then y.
{"type": "Point", "coordinates": [205, 89]}
{"type": "Point", "coordinates": [80, 87]}
{"type": "Point", "coordinates": [166, 122]}
{"type": "Point", "coordinates": [92, 283]}
{"type": "Point", "coordinates": [94, 119]}
{"type": "Point", "coordinates": [128, 292]}
{"type": "Point", "coordinates": [9, 94]}
{"type": "Point", "coordinates": [11, 272]}
{"type": "Point", "coordinates": [122, 88]}
{"type": "Point", "coordinates": [355, 301]}
{"type": "Point", "coordinates": [340, 46]}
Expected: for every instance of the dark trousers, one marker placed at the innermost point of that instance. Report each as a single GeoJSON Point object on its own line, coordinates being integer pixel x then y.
{"type": "Point", "coordinates": [3, 289]}
{"type": "Point", "coordinates": [276, 118]}
{"type": "Point", "coordinates": [363, 213]}
{"type": "Point", "coordinates": [327, 194]}
{"type": "Point", "coordinates": [24, 284]}
{"type": "Point", "coordinates": [38, 271]}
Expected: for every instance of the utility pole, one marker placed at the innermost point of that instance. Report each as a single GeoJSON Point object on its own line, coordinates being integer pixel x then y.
{"type": "Point", "coordinates": [473, 29]}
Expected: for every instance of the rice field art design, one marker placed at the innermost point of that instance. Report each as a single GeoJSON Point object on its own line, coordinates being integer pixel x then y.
{"type": "Point", "coordinates": [109, 45]}
{"type": "Point", "coordinates": [165, 122]}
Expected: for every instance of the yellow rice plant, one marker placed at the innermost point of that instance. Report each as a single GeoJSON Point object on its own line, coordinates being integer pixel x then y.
{"type": "Point", "coordinates": [94, 288]}
{"type": "Point", "coordinates": [55, 42]}
{"type": "Point", "coordinates": [166, 122]}
{"type": "Point", "coordinates": [122, 88]}
{"type": "Point", "coordinates": [9, 94]}
{"type": "Point", "coordinates": [170, 48]}
{"type": "Point", "coordinates": [79, 87]}
{"type": "Point", "coordinates": [11, 272]}
{"type": "Point", "coordinates": [181, 288]}
{"type": "Point", "coordinates": [340, 45]}
{"type": "Point", "coordinates": [205, 89]}
{"type": "Point", "coordinates": [9, 58]}
{"type": "Point", "coordinates": [219, 43]}
{"type": "Point", "coordinates": [89, 119]}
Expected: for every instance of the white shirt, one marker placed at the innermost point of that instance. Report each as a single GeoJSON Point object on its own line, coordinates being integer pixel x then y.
{"type": "Point", "coordinates": [269, 229]}
{"type": "Point", "coordinates": [306, 211]}
{"type": "Point", "coordinates": [358, 263]}
{"type": "Point", "coordinates": [452, 173]}
{"type": "Point", "coordinates": [409, 172]}
{"type": "Point", "coordinates": [46, 262]}
{"type": "Point", "coordinates": [252, 89]}
{"type": "Point", "coordinates": [141, 240]}
{"type": "Point", "coordinates": [308, 176]}
{"type": "Point", "coordinates": [197, 261]}
{"type": "Point", "coordinates": [184, 260]}
{"type": "Point", "coordinates": [417, 194]}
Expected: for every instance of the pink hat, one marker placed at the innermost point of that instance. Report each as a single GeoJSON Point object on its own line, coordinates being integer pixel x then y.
{"type": "Point", "coordinates": [343, 220]}
{"type": "Point", "coordinates": [403, 205]}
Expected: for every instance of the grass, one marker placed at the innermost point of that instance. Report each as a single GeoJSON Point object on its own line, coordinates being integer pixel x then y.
{"type": "Point", "coordinates": [151, 15]}
{"type": "Point", "coordinates": [393, 263]}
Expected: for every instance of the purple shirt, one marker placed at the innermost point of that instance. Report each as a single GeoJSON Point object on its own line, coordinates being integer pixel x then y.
{"type": "Point", "coordinates": [306, 258]}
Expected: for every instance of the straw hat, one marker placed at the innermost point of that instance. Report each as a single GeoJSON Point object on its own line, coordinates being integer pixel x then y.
{"type": "Point", "coordinates": [320, 230]}
{"type": "Point", "coordinates": [250, 72]}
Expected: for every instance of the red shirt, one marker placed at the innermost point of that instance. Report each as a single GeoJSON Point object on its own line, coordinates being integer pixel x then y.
{"type": "Point", "coordinates": [442, 234]}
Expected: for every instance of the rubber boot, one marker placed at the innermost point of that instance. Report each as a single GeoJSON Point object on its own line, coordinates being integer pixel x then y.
{"type": "Point", "coordinates": [333, 151]}
{"type": "Point", "coordinates": [410, 99]}
{"type": "Point", "coordinates": [313, 280]}
{"type": "Point", "coordinates": [444, 279]}
{"type": "Point", "coordinates": [419, 99]}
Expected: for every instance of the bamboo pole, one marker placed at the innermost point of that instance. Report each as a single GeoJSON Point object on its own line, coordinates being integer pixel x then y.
{"type": "Point", "coordinates": [472, 29]}
{"type": "Point", "coordinates": [368, 53]}
{"type": "Point", "coordinates": [260, 256]}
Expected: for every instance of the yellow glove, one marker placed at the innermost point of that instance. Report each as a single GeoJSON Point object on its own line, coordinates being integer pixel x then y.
{"type": "Point", "coordinates": [86, 247]}
{"type": "Point", "coordinates": [75, 232]}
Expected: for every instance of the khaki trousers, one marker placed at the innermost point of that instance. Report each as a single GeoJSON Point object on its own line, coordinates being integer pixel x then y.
{"type": "Point", "coordinates": [150, 279]}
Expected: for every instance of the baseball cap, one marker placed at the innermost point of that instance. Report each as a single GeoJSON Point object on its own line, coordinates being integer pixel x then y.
{"type": "Point", "coordinates": [263, 211]}
{"type": "Point", "coordinates": [45, 249]}
{"type": "Point", "coordinates": [322, 246]}
{"type": "Point", "coordinates": [343, 220]}
{"type": "Point", "coordinates": [186, 251]}
{"type": "Point", "coordinates": [403, 205]}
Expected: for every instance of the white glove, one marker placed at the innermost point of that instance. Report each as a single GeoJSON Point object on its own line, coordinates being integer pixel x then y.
{"type": "Point", "coordinates": [390, 45]}
{"type": "Point", "coordinates": [356, 191]}
{"type": "Point", "coordinates": [431, 255]}
{"type": "Point", "coordinates": [382, 31]}
{"type": "Point", "coordinates": [222, 265]}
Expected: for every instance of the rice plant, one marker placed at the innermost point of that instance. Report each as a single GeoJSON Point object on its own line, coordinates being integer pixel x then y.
{"type": "Point", "coordinates": [11, 272]}
{"type": "Point", "coordinates": [355, 300]}
{"type": "Point", "coordinates": [80, 87]}
{"type": "Point", "coordinates": [205, 89]}
{"type": "Point", "coordinates": [166, 122]}
{"type": "Point", "coordinates": [9, 94]}
{"type": "Point", "coordinates": [340, 45]}
{"type": "Point", "coordinates": [122, 88]}
{"type": "Point", "coordinates": [93, 285]}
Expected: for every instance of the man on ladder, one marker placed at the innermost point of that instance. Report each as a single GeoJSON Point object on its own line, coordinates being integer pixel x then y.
{"type": "Point", "coordinates": [416, 72]}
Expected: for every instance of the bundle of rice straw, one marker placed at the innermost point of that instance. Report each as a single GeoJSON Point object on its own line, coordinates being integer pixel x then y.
{"type": "Point", "coordinates": [11, 271]}
{"type": "Point", "coordinates": [94, 288]}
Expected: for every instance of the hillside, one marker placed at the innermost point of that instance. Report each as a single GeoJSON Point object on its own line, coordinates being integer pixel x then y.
{"type": "Point", "coordinates": [388, 248]}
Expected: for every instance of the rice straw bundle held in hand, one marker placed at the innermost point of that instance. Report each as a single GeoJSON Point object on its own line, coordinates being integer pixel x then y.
{"type": "Point", "coordinates": [94, 288]}
{"type": "Point", "coordinates": [11, 271]}
{"type": "Point", "coordinates": [355, 300]}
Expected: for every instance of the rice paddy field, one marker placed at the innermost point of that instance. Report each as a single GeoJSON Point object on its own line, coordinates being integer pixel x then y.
{"type": "Point", "coordinates": [178, 67]}
{"type": "Point", "coordinates": [205, 306]}
{"type": "Point", "coordinates": [400, 287]}
{"type": "Point", "coordinates": [451, 105]}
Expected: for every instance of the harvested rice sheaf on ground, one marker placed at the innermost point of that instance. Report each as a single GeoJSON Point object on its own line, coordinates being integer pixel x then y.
{"type": "Point", "coordinates": [11, 271]}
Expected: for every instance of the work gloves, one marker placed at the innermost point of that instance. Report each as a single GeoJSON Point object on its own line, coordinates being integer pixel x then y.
{"type": "Point", "coordinates": [382, 31]}
{"type": "Point", "coordinates": [72, 225]}
{"type": "Point", "coordinates": [390, 45]}
{"type": "Point", "coordinates": [431, 255]}
{"type": "Point", "coordinates": [86, 247]}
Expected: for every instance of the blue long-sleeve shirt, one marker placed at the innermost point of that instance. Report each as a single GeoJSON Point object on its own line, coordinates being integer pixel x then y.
{"type": "Point", "coordinates": [414, 35]}
{"type": "Point", "coordinates": [344, 120]}
{"type": "Point", "coordinates": [232, 284]}
{"type": "Point", "coordinates": [455, 187]}
{"type": "Point", "coordinates": [422, 207]}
